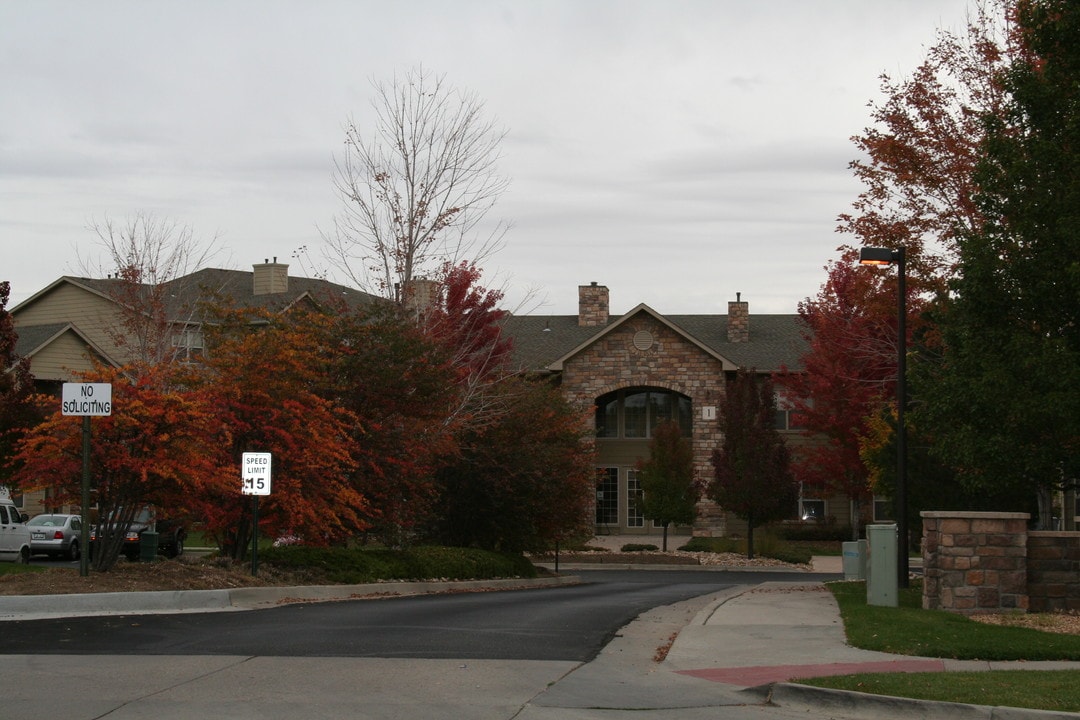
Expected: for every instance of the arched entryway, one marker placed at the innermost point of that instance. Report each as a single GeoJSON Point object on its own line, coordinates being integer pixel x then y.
{"type": "Point", "coordinates": [625, 422]}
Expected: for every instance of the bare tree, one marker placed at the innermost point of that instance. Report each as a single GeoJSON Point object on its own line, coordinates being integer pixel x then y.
{"type": "Point", "coordinates": [151, 261]}
{"type": "Point", "coordinates": [417, 192]}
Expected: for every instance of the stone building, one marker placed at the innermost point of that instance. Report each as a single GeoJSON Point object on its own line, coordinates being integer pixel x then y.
{"type": "Point", "coordinates": [640, 368]}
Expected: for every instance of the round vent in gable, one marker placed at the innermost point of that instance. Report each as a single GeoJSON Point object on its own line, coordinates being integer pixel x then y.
{"type": "Point", "coordinates": [643, 340]}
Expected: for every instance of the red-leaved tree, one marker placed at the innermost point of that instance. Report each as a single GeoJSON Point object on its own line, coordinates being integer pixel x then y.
{"type": "Point", "coordinates": [17, 411]}
{"type": "Point", "coordinates": [752, 477]}
{"type": "Point", "coordinates": [848, 373]}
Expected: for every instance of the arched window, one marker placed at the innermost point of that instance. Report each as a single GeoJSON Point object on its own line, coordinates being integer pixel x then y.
{"type": "Point", "coordinates": [634, 413]}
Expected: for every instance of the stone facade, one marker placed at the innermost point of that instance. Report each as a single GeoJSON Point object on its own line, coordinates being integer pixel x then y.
{"type": "Point", "coordinates": [644, 352]}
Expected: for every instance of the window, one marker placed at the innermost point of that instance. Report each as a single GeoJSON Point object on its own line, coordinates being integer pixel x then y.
{"type": "Point", "coordinates": [882, 509]}
{"type": "Point", "coordinates": [607, 496]}
{"type": "Point", "coordinates": [811, 510]}
{"type": "Point", "coordinates": [635, 413]}
{"type": "Point", "coordinates": [189, 344]}
{"type": "Point", "coordinates": [786, 417]}
{"type": "Point", "coordinates": [634, 518]}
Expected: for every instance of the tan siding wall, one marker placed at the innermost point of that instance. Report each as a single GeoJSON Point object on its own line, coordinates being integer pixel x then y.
{"type": "Point", "coordinates": [64, 355]}
{"type": "Point", "coordinates": [91, 313]}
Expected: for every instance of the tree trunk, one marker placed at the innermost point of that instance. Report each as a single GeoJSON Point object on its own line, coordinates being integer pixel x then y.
{"type": "Point", "coordinates": [750, 538]}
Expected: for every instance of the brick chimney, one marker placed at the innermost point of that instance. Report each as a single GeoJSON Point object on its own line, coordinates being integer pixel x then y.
{"type": "Point", "coordinates": [270, 278]}
{"type": "Point", "coordinates": [419, 295]}
{"type": "Point", "coordinates": [738, 320]}
{"type": "Point", "coordinates": [592, 305]}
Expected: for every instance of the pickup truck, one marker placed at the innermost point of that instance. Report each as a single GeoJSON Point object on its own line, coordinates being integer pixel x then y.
{"type": "Point", "coordinates": [171, 535]}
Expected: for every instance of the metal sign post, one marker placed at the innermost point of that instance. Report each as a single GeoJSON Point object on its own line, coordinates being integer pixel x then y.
{"type": "Point", "coordinates": [86, 400]}
{"type": "Point", "coordinates": [255, 473]}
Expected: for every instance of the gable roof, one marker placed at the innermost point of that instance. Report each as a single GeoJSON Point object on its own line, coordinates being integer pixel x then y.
{"type": "Point", "coordinates": [543, 343]}
{"type": "Point", "coordinates": [33, 339]}
{"type": "Point", "coordinates": [186, 291]}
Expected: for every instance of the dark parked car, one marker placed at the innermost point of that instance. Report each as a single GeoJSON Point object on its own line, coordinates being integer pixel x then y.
{"type": "Point", "coordinates": [171, 535]}
{"type": "Point", "coordinates": [55, 535]}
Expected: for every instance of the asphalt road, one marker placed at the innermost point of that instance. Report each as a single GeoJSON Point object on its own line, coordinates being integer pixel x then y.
{"type": "Point", "coordinates": [566, 623]}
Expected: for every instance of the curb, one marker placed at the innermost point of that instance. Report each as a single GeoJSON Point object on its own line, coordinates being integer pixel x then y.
{"type": "Point", "coordinates": [863, 706]}
{"type": "Point", "coordinates": [30, 607]}
{"type": "Point", "coordinates": [674, 566]}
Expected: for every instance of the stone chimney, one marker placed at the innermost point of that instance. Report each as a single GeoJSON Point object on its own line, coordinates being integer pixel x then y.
{"type": "Point", "coordinates": [592, 305]}
{"type": "Point", "coordinates": [270, 278]}
{"type": "Point", "coordinates": [738, 320]}
{"type": "Point", "coordinates": [419, 295]}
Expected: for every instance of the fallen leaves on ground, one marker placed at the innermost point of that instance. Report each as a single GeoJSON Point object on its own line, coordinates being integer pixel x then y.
{"type": "Point", "coordinates": [1047, 622]}
{"type": "Point", "coordinates": [178, 574]}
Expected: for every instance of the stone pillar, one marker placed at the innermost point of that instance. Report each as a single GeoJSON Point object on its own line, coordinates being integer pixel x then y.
{"type": "Point", "coordinates": [975, 561]}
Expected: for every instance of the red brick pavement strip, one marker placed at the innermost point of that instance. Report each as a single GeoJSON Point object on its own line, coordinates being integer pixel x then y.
{"type": "Point", "coordinates": [765, 674]}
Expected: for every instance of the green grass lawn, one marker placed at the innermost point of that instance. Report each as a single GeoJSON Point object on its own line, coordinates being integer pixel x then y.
{"type": "Point", "coordinates": [1057, 690]}
{"type": "Point", "coordinates": [10, 568]}
{"type": "Point", "coordinates": [910, 630]}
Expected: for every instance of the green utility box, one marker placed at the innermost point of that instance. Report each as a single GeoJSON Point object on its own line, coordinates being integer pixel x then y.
{"type": "Point", "coordinates": [854, 560]}
{"type": "Point", "coordinates": [148, 542]}
{"type": "Point", "coordinates": [881, 573]}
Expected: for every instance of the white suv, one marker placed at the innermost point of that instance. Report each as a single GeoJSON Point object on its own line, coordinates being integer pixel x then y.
{"type": "Point", "coordinates": [14, 535]}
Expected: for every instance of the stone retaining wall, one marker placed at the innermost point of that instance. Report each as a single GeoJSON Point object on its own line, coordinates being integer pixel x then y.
{"type": "Point", "coordinates": [1053, 571]}
{"type": "Point", "coordinates": [990, 562]}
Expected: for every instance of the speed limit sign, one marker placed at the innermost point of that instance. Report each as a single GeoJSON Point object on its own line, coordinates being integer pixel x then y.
{"type": "Point", "coordinates": [255, 473]}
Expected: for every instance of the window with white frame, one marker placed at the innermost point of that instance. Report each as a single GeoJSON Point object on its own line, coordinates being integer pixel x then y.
{"type": "Point", "coordinates": [811, 510]}
{"type": "Point", "coordinates": [786, 417]}
{"type": "Point", "coordinates": [188, 343]}
{"type": "Point", "coordinates": [607, 496]}
{"type": "Point", "coordinates": [634, 518]}
{"type": "Point", "coordinates": [882, 508]}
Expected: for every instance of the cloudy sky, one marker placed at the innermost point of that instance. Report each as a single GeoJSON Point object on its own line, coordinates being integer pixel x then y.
{"type": "Point", "coordinates": [677, 151]}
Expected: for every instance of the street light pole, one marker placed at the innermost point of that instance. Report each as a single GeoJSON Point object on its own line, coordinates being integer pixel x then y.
{"type": "Point", "coordinates": [884, 256]}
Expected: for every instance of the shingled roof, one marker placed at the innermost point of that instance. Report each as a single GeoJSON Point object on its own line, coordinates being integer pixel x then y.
{"type": "Point", "coordinates": [776, 341]}
{"type": "Point", "coordinates": [186, 291]}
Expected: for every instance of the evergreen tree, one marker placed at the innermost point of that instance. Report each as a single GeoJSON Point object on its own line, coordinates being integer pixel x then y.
{"type": "Point", "coordinates": [753, 474]}
{"type": "Point", "coordinates": [1003, 399]}
{"type": "Point", "coordinates": [668, 494]}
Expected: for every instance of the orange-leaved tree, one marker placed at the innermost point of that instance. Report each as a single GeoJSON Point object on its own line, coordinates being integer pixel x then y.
{"type": "Point", "coordinates": [158, 447]}
{"type": "Point", "coordinates": [264, 375]}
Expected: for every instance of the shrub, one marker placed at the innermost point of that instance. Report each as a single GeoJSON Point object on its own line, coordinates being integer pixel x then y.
{"type": "Point", "coordinates": [813, 532]}
{"type": "Point", "coordinates": [637, 547]}
{"type": "Point", "coordinates": [765, 545]}
{"type": "Point", "coordinates": [712, 544]}
{"type": "Point", "coordinates": [363, 565]}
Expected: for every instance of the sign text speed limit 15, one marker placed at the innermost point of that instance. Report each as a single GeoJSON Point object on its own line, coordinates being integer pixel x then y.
{"type": "Point", "coordinates": [255, 472]}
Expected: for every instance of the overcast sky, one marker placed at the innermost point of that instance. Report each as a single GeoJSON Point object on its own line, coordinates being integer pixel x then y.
{"type": "Point", "coordinates": [677, 151]}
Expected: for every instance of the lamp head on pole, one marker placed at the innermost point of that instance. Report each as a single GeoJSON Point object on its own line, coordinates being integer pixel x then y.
{"type": "Point", "coordinates": [877, 256]}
